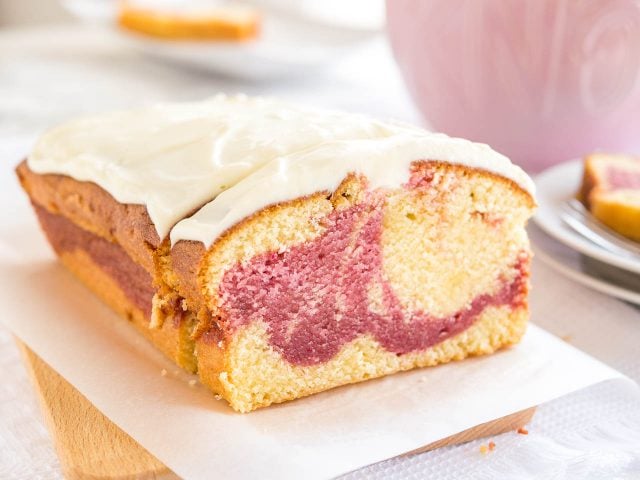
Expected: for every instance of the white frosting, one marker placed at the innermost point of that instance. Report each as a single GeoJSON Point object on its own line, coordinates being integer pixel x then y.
{"type": "Point", "coordinates": [241, 154]}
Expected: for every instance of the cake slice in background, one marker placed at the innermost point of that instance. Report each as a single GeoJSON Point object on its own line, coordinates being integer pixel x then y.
{"type": "Point", "coordinates": [611, 191]}
{"type": "Point", "coordinates": [280, 251]}
{"type": "Point", "coordinates": [190, 20]}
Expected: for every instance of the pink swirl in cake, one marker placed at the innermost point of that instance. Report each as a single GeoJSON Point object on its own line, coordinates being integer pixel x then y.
{"type": "Point", "coordinates": [315, 296]}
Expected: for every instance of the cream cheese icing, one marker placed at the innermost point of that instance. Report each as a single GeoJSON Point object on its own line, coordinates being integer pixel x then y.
{"type": "Point", "coordinates": [232, 156]}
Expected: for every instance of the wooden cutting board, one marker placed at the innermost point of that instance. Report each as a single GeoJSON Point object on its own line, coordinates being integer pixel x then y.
{"type": "Point", "coordinates": [90, 446]}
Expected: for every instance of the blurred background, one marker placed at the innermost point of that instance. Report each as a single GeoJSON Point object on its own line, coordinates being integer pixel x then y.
{"type": "Point", "coordinates": [543, 81]}
{"type": "Point", "coordinates": [60, 59]}
{"type": "Point", "coordinates": [15, 13]}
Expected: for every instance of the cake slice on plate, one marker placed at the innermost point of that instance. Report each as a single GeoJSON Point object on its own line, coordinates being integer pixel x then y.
{"type": "Point", "coordinates": [279, 251]}
{"type": "Point", "coordinates": [191, 20]}
{"type": "Point", "coordinates": [611, 191]}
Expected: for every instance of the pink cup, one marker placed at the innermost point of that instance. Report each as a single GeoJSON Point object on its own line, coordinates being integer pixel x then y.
{"type": "Point", "coordinates": [542, 81]}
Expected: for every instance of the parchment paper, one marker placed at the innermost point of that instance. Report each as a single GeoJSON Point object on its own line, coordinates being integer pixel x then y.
{"type": "Point", "coordinates": [321, 436]}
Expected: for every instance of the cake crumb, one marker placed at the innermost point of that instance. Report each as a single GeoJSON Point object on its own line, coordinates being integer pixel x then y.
{"type": "Point", "coordinates": [163, 372]}
{"type": "Point", "coordinates": [567, 338]}
{"type": "Point", "coordinates": [192, 383]}
{"type": "Point", "coordinates": [484, 449]}
{"type": "Point", "coordinates": [523, 431]}
{"type": "Point", "coordinates": [217, 397]}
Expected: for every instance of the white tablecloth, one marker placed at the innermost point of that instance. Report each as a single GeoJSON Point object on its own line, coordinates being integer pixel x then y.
{"type": "Point", "coordinates": [47, 76]}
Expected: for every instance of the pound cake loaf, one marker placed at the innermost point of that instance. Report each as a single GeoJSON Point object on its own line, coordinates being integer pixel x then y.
{"type": "Point", "coordinates": [611, 191]}
{"type": "Point", "coordinates": [280, 251]}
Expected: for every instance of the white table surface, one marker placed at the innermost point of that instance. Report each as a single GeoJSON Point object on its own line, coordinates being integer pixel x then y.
{"type": "Point", "coordinates": [49, 75]}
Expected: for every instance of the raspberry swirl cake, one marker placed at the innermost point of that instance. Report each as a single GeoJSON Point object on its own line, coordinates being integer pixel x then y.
{"type": "Point", "coordinates": [280, 251]}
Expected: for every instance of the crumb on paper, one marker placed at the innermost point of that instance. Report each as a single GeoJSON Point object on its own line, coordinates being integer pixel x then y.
{"type": "Point", "coordinates": [192, 383]}
{"type": "Point", "coordinates": [523, 431]}
{"type": "Point", "coordinates": [163, 372]}
{"type": "Point", "coordinates": [217, 397]}
{"type": "Point", "coordinates": [484, 449]}
{"type": "Point", "coordinates": [567, 338]}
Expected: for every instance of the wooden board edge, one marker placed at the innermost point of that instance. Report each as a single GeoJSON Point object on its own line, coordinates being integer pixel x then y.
{"type": "Point", "coordinates": [88, 444]}
{"type": "Point", "coordinates": [492, 428]}
{"type": "Point", "coordinates": [81, 448]}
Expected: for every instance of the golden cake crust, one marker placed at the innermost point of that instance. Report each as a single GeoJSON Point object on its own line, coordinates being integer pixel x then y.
{"type": "Point", "coordinates": [92, 208]}
{"type": "Point", "coordinates": [125, 226]}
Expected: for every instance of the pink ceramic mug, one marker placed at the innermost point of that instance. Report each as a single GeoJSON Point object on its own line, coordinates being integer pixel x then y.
{"type": "Point", "coordinates": [540, 80]}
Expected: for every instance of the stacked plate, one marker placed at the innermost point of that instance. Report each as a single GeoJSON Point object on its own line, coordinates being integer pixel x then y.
{"type": "Point", "coordinates": [568, 239]}
{"type": "Point", "coordinates": [293, 41]}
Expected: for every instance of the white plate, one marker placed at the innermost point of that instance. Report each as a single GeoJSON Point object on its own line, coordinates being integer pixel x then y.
{"type": "Point", "coordinates": [583, 269]}
{"type": "Point", "coordinates": [287, 45]}
{"type": "Point", "coordinates": [555, 186]}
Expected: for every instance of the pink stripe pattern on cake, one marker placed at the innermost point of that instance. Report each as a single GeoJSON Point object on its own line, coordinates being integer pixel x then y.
{"type": "Point", "coordinates": [314, 297]}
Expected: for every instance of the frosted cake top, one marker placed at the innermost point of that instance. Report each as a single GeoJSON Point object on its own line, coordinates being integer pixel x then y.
{"type": "Point", "coordinates": [234, 155]}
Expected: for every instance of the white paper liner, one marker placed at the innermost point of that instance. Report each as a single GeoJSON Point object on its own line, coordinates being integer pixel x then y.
{"type": "Point", "coordinates": [317, 437]}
